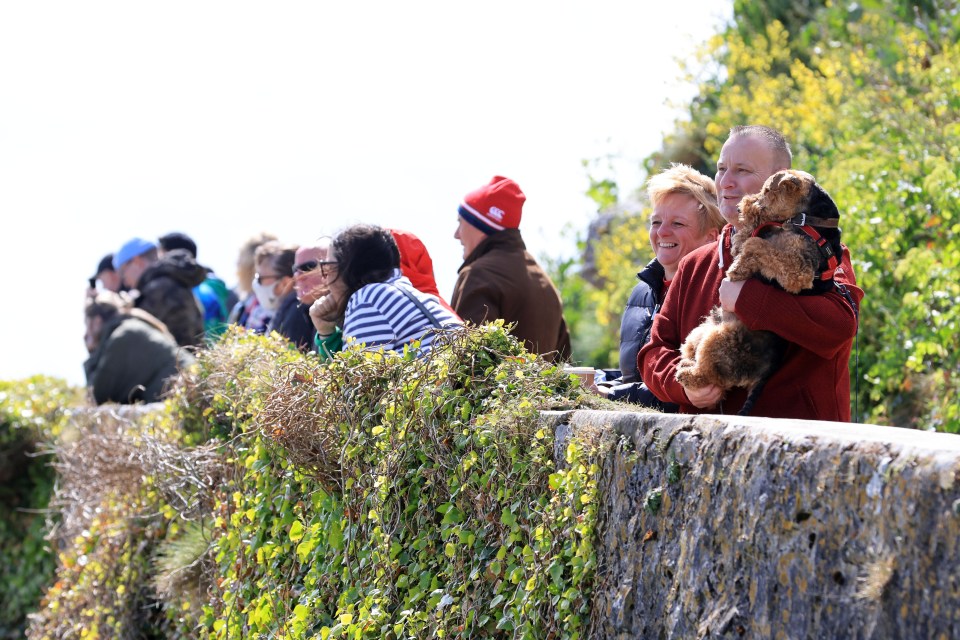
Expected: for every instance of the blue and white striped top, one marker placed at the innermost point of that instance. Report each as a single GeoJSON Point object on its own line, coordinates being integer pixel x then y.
{"type": "Point", "coordinates": [380, 315]}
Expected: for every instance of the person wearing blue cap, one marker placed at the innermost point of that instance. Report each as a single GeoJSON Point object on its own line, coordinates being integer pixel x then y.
{"type": "Point", "coordinates": [164, 286]}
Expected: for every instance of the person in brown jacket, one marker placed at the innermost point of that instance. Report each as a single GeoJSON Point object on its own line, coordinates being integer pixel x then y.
{"type": "Point", "coordinates": [499, 278]}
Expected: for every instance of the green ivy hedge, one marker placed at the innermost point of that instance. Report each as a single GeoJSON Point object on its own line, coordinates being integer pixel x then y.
{"type": "Point", "coordinates": [374, 496]}
{"type": "Point", "coordinates": [32, 414]}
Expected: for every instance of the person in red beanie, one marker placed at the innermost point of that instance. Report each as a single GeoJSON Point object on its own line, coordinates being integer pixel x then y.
{"type": "Point", "coordinates": [499, 278]}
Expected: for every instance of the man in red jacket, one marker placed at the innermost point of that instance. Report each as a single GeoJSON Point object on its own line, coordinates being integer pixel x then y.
{"type": "Point", "coordinates": [813, 380]}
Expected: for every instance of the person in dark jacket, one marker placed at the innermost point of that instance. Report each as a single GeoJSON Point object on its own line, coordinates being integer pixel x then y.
{"type": "Point", "coordinates": [685, 216]}
{"type": "Point", "coordinates": [215, 297]}
{"type": "Point", "coordinates": [499, 278]}
{"type": "Point", "coordinates": [132, 355]}
{"type": "Point", "coordinates": [164, 287]}
{"type": "Point", "coordinates": [273, 286]}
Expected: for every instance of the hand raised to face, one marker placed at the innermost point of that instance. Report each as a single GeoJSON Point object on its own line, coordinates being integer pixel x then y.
{"type": "Point", "coordinates": [324, 312]}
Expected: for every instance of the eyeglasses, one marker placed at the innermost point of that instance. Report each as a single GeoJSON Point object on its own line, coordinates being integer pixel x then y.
{"type": "Point", "coordinates": [260, 278]}
{"type": "Point", "coordinates": [324, 270]}
{"type": "Point", "coordinates": [305, 267]}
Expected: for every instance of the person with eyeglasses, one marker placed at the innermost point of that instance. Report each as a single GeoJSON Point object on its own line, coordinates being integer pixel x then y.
{"type": "Point", "coordinates": [370, 302]}
{"type": "Point", "coordinates": [248, 313]}
{"type": "Point", "coordinates": [308, 281]}
{"type": "Point", "coordinates": [273, 285]}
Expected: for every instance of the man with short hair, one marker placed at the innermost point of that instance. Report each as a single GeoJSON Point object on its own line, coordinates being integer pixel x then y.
{"type": "Point", "coordinates": [308, 280]}
{"type": "Point", "coordinates": [499, 278]}
{"type": "Point", "coordinates": [812, 381]}
{"type": "Point", "coordinates": [164, 286]}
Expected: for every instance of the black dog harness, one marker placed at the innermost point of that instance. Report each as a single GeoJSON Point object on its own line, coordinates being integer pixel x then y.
{"type": "Point", "coordinates": [806, 224]}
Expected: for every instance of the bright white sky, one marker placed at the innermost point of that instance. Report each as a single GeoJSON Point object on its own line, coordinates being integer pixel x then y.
{"type": "Point", "coordinates": [220, 119]}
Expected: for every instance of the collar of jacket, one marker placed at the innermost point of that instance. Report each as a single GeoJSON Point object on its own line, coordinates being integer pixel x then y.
{"type": "Point", "coordinates": [653, 274]}
{"type": "Point", "coordinates": [507, 240]}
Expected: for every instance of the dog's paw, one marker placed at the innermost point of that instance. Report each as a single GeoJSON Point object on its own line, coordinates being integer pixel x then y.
{"type": "Point", "coordinates": [687, 374]}
{"type": "Point", "coordinates": [738, 271]}
{"type": "Point", "coordinates": [796, 282]}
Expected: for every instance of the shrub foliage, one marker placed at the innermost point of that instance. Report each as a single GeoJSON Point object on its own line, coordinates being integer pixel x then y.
{"type": "Point", "coordinates": [32, 413]}
{"type": "Point", "coordinates": [375, 496]}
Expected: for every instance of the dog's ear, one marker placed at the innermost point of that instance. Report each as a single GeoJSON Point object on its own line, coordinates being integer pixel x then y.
{"type": "Point", "coordinates": [786, 181]}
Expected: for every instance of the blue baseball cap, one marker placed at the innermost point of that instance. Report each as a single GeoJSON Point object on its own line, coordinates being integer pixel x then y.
{"type": "Point", "coordinates": [130, 250]}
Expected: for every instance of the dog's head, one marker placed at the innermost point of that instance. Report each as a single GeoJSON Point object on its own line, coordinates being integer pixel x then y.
{"type": "Point", "coordinates": [784, 194]}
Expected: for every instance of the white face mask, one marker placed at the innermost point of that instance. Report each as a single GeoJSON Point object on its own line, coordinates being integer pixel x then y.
{"type": "Point", "coordinates": [266, 295]}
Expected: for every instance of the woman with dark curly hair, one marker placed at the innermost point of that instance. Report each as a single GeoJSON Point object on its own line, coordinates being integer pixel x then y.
{"type": "Point", "coordinates": [380, 308]}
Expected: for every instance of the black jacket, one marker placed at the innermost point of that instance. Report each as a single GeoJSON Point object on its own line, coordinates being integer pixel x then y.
{"type": "Point", "coordinates": [643, 304]}
{"type": "Point", "coordinates": [166, 292]}
{"type": "Point", "coordinates": [292, 321]}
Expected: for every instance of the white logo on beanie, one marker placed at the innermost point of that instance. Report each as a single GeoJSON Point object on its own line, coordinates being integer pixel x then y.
{"type": "Point", "coordinates": [496, 213]}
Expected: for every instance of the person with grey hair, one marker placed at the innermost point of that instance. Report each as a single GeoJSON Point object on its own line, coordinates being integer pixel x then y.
{"type": "Point", "coordinates": [812, 380]}
{"type": "Point", "coordinates": [132, 354]}
{"type": "Point", "coordinates": [685, 216]}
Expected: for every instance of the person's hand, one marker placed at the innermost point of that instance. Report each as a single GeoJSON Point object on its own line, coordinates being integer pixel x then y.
{"type": "Point", "coordinates": [601, 390]}
{"type": "Point", "coordinates": [729, 292]}
{"type": "Point", "coordinates": [323, 314]}
{"type": "Point", "coordinates": [704, 397]}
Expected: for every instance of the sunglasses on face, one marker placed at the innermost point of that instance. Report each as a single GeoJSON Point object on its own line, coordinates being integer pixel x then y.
{"type": "Point", "coordinates": [305, 267]}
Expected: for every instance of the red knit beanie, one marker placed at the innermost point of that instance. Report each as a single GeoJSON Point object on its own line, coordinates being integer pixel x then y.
{"type": "Point", "coordinates": [495, 206]}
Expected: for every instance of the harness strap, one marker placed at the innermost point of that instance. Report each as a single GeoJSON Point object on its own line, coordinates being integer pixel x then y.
{"type": "Point", "coordinates": [825, 249]}
{"type": "Point", "coordinates": [803, 220]}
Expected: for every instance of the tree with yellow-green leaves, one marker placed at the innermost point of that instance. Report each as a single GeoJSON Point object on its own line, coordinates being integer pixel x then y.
{"type": "Point", "coordinates": [869, 96]}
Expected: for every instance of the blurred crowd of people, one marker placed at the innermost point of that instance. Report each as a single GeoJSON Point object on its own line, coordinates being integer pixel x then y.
{"type": "Point", "coordinates": [151, 305]}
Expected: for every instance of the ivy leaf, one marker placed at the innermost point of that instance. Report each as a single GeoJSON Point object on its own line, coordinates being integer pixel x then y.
{"type": "Point", "coordinates": [296, 531]}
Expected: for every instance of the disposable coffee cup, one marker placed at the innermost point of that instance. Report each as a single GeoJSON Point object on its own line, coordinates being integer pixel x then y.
{"type": "Point", "coordinates": [586, 374]}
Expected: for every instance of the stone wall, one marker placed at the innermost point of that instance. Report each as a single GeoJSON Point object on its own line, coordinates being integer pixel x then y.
{"type": "Point", "coordinates": [727, 527]}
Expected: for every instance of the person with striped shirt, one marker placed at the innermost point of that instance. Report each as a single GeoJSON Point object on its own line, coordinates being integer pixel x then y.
{"type": "Point", "coordinates": [379, 307]}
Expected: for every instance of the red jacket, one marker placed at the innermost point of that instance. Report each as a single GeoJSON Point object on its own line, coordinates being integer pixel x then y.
{"type": "Point", "coordinates": [813, 382]}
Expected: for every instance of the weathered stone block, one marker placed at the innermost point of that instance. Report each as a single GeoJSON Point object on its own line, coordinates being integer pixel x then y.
{"type": "Point", "coordinates": [729, 527]}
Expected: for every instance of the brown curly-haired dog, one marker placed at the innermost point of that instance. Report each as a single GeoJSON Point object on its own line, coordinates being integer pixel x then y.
{"type": "Point", "coordinates": [798, 251]}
